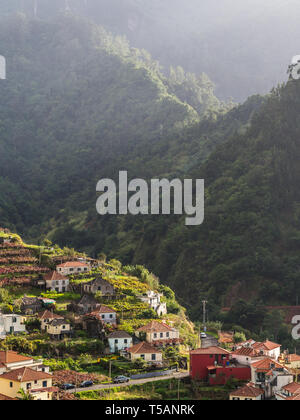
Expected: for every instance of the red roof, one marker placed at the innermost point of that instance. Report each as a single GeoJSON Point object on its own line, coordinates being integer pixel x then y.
{"type": "Point", "coordinates": [245, 351]}
{"type": "Point", "coordinates": [266, 364]}
{"type": "Point", "coordinates": [247, 391]}
{"type": "Point", "coordinates": [155, 326]}
{"type": "Point", "coordinates": [25, 375]}
{"type": "Point", "coordinates": [210, 350]}
{"type": "Point", "coordinates": [143, 348]}
{"type": "Point", "coordinates": [72, 264]}
{"type": "Point", "coordinates": [54, 275]}
{"type": "Point", "coordinates": [6, 398]}
{"type": "Point", "coordinates": [293, 388]}
{"type": "Point", "coordinates": [7, 356]}
{"type": "Point", "coordinates": [49, 315]}
{"type": "Point", "coordinates": [293, 358]}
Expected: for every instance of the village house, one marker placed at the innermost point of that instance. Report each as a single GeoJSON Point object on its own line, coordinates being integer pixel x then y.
{"type": "Point", "coordinates": [46, 317]}
{"type": "Point", "coordinates": [106, 315]}
{"type": "Point", "coordinates": [146, 352]}
{"type": "Point", "coordinates": [10, 360]}
{"type": "Point", "coordinates": [246, 355]}
{"type": "Point", "coordinates": [99, 285]}
{"type": "Point", "coordinates": [215, 365]}
{"type": "Point", "coordinates": [56, 282]}
{"type": "Point", "coordinates": [289, 392]}
{"type": "Point", "coordinates": [270, 375]}
{"type": "Point", "coordinates": [58, 329]}
{"type": "Point", "coordinates": [119, 341]}
{"type": "Point", "coordinates": [158, 333]}
{"type": "Point", "coordinates": [291, 361]}
{"type": "Point", "coordinates": [268, 348]}
{"type": "Point", "coordinates": [38, 384]}
{"type": "Point", "coordinates": [11, 324]}
{"type": "Point", "coordinates": [247, 393]}
{"type": "Point", "coordinates": [31, 305]}
{"type": "Point", "coordinates": [72, 267]}
{"type": "Point", "coordinates": [153, 299]}
{"type": "Point", "coordinates": [86, 304]}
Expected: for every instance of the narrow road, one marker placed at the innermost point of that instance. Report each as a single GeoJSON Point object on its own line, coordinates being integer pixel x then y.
{"type": "Point", "coordinates": [209, 342]}
{"type": "Point", "coordinates": [179, 375]}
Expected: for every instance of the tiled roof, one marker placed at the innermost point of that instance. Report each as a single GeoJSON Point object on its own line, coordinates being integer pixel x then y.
{"type": "Point", "coordinates": [119, 334]}
{"type": "Point", "coordinates": [266, 365]}
{"type": "Point", "coordinates": [105, 310]}
{"type": "Point", "coordinates": [7, 357]}
{"type": "Point", "coordinates": [293, 388]}
{"type": "Point", "coordinates": [54, 275]}
{"type": "Point", "coordinates": [248, 390]}
{"type": "Point", "coordinates": [293, 358]}
{"type": "Point", "coordinates": [49, 315]}
{"type": "Point", "coordinates": [72, 264]}
{"type": "Point", "coordinates": [155, 326]}
{"type": "Point", "coordinates": [245, 351]}
{"type": "Point", "coordinates": [25, 375]}
{"type": "Point", "coordinates": [57, 322]}
{"type": "Point", "coordinates": [6, 398]}
{"type": "Point", "coordinates": [210, 350]}
{"type": "Point", "coordinates": [294, 398]}
{"type": "Point", "coordinates": [143, 348]}
{"type": "Point", "coordinates": [266, 345]}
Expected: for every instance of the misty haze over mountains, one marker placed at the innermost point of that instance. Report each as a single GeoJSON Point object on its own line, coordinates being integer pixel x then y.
{"type": "Point", "coordinates": [243, 46]}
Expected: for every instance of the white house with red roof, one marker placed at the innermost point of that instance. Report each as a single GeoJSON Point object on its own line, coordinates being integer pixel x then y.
{"type": "Point", "coordinates": [159, 333]}
{"type": "Point", "coordinates": [289, 392]}
{"type": "Point", "coordinates": [105, 314]}
{"type": "Point", "coordinates": [270, 376]}
{"type": "Point", "coordinates": [72, 267]}
{"type": "Point", "coordinates": [146, 352]}
{"type": "Point", "coordinates": [268, 348]}
{"type": "Point", "coordinates": [10, 360]}
{"type": "Point", "coordinates": [249, 392]}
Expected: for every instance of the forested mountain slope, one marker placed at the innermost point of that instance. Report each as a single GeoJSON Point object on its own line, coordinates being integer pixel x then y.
{"type": "Point", "coordinates": [243, 46]}
{"type": "Point", "coordinates": [79, 105]}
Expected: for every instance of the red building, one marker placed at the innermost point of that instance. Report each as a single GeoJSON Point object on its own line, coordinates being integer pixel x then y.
{"type": "Point", "coordinates": [214, 365]}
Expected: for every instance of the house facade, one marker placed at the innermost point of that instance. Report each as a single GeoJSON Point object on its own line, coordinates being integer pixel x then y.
{"type": "Point", "coordinates": [119, 341]}
{"type": "Point", "coordinates": [58, 329]}
{"type": "Point", "coordinates": [31, 305]}
{"type": "Point", "coordinates": [56, 282]}
{"type": "Point", "coordinates": [46, 317]}
{"type": "Point", "coordinates": [270, 376]}
{"type": "Point", "coordinates": [146, 352]}
{"type": "Point", "coordinates": [288, 392]}
{"type": "Point", "coordinates": [106, 315]}
{"type": "Point", "coordinates": [153, 299]}
{"type": "Point", "coordinates": [158, 333]}
{"type": "Point", "coordinates": [215, 365]}
{"type": "Point", "coordinates": [11, 324]}
{"type": "Point", "coordinates": [99, 285]}
{"type": "Point", "coordinates": [38, 384]}
{"type": "Point", "coordinates": [73, 267]}
{"type": "Point", "coordinates": [247, 393]}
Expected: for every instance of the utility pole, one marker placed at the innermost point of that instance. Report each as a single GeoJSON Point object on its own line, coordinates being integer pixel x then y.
{"type": "Point", "coordinates": [109, 373]}
{"type": "Point", "coordinates": [204, 302]}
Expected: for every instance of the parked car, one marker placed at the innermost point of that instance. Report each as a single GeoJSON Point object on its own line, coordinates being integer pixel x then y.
{"type": "Point", "coordinates": [68, 386]}
{"type": "Point", "coordinates": [121, 379]}
{"type": "Point", "coordinates": [86, 384]}
{"type": "Point", "coordinates": [203, 335]}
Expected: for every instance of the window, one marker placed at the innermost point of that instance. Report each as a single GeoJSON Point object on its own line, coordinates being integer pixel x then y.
{"type": "Point", "coordinates": [153, 356]}
{"type": "Point", "coordinates": [14, 320]}
{"type": "Point", "coordinates": [11, 385]}
{"type": "Point", "coordinates": [44, 384]}
{"type": "Point", "coordinates": [110, 316]}
{"type": "Point", "coordinates": [143, 356]}
{"type": "Point", "coordinates": [125, 341]}
{"type": "Point", "coordinates": [155, 335]}
{"type": "Point", "coordinates": [116, 341]}
{"type": "Point", "coordinates": [28, 386]}
{"type": "Point", "coordinates": [161, 335]}
{"type": "Point", "coordinates": [71, 269]}
{"type": "Point", "coordinates": [167, 335]}
{"type": "Point", "coordinates": [103, 316]}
